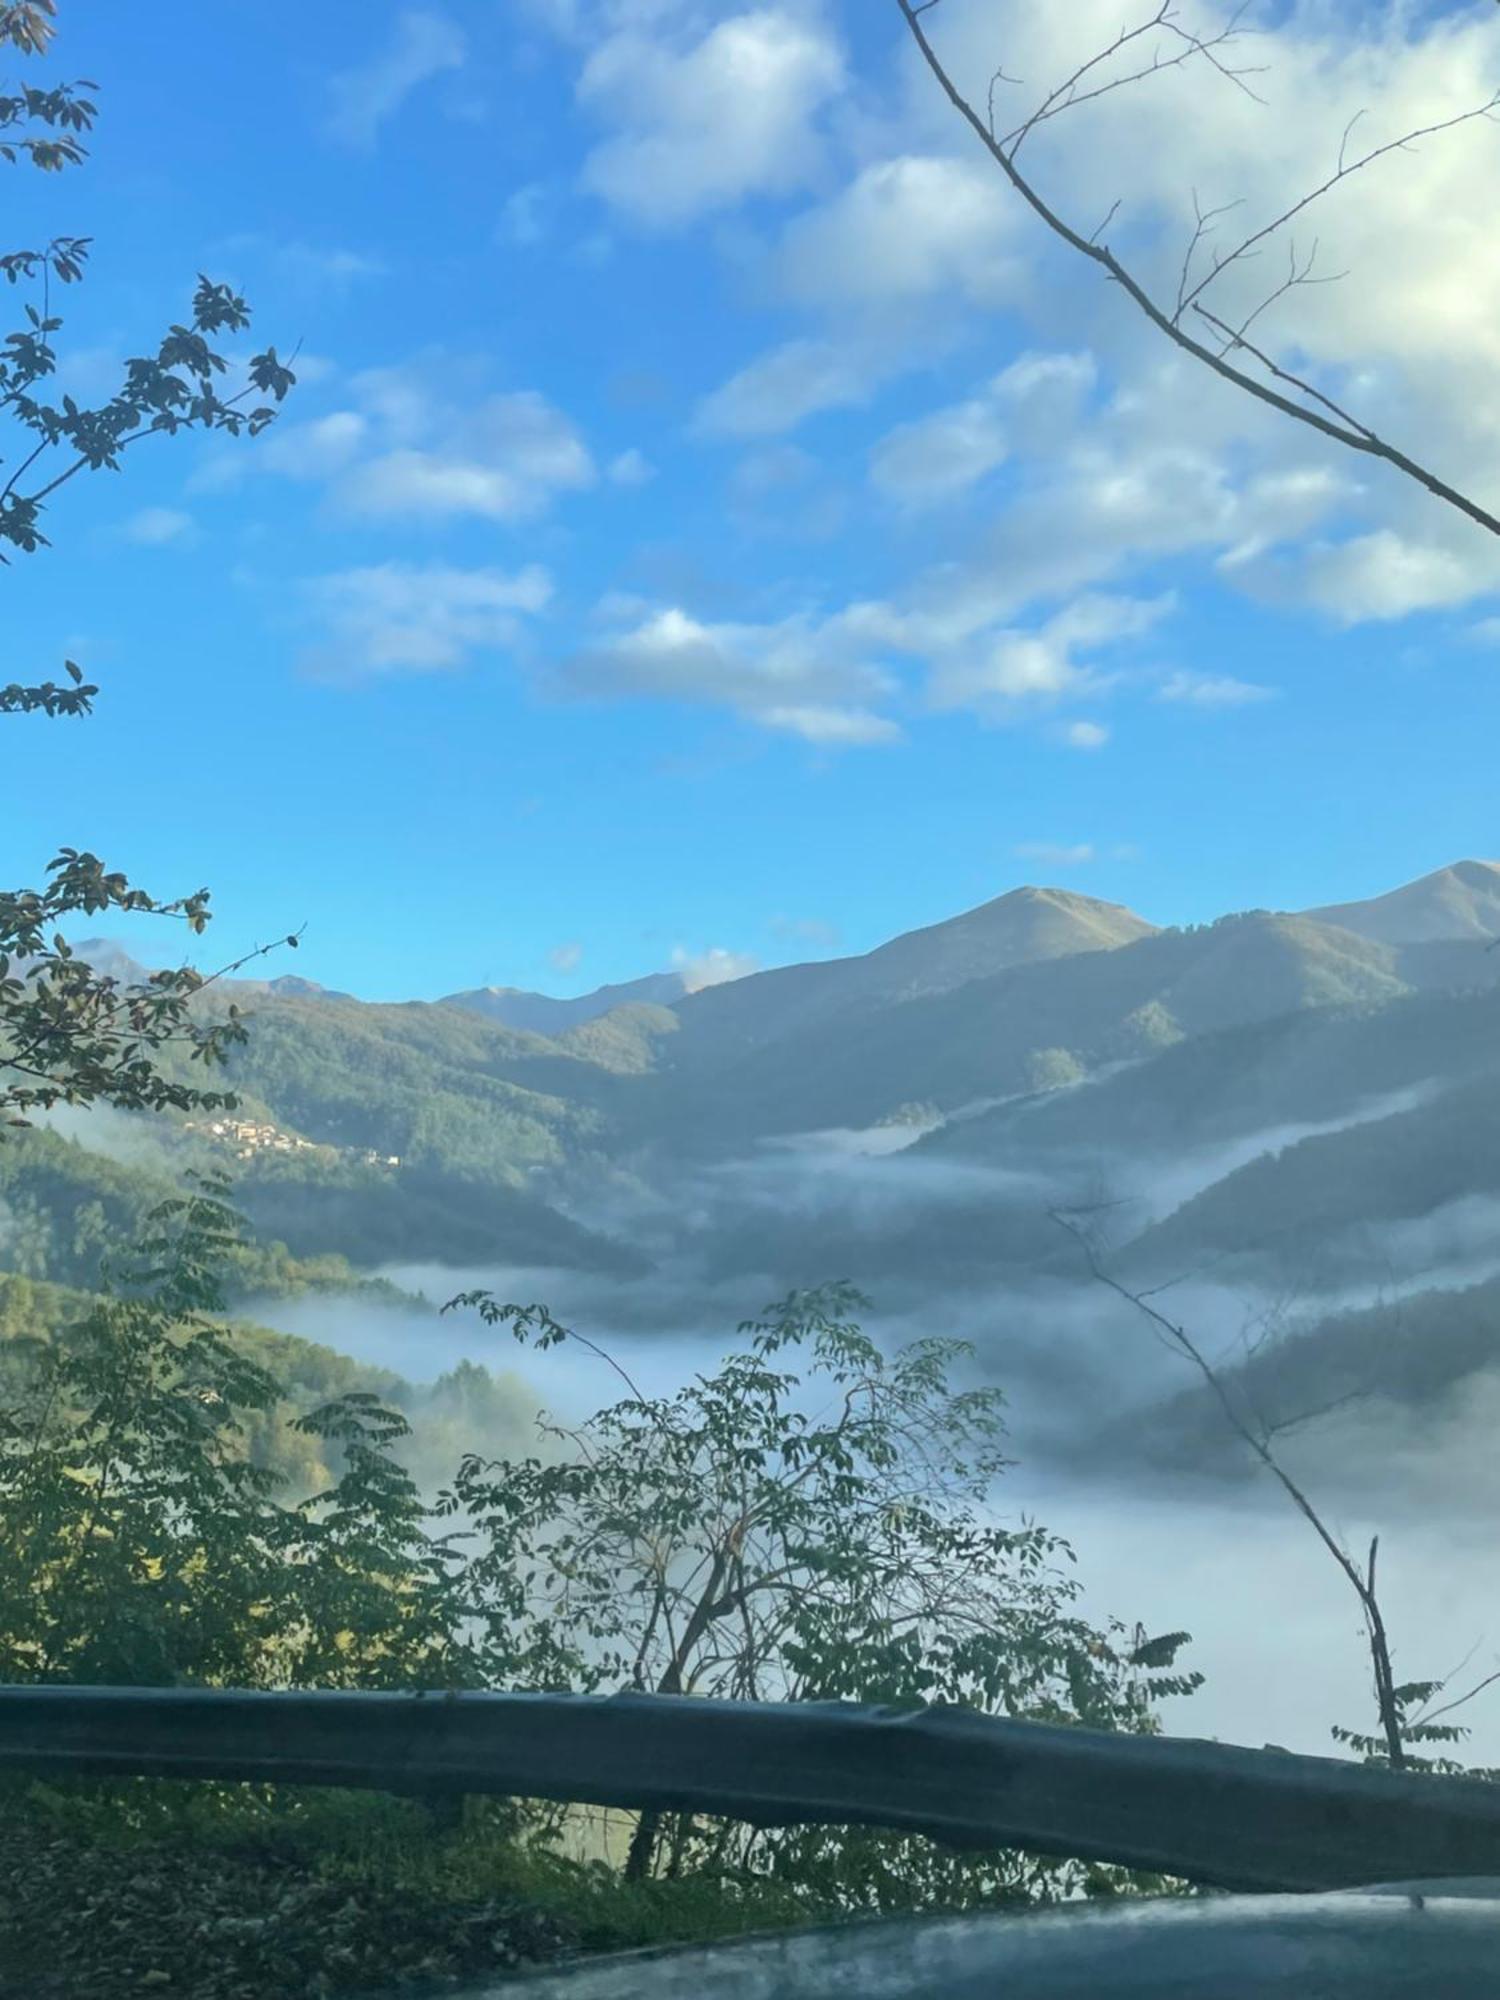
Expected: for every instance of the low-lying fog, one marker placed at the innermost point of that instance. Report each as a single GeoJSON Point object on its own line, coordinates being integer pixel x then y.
{"type": "Point", "coordinates": [1276, 1629]}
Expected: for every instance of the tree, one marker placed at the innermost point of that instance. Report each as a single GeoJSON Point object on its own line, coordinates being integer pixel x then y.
{"type": "Point", "coordinates": [769, 1535]}
{"type": "Point", "coordinates": [68, 1035]}
{"type": "Point", "coordinates": [140, 1543]}
{"type": "Point", "coordinates": [1159, 42]}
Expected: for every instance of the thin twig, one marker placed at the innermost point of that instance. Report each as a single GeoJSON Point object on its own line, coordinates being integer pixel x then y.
{"type": "Point", "coordinates": [1341, 173]}
{"type": "Point", "coordinates": [1363, 1584]}
{"type": "Point", "coordinates": [1234, 340]}
{"type": "Point", "coordinates": [1341, 428]}
{"type": "Point", "coordinates": [1067, 96]}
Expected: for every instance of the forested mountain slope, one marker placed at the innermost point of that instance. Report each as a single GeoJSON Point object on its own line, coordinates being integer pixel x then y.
{"type": "Point", "coordinates": [1029, 926]}
{"type": "Point", "coordinates": [1307, 1066]}
{"type": "Point", "coordinates": [1056, 1038]}
{"type": "Point", "coordinates": [1031, 1026]}
{"type": "Point", "coordinates": [1327, 1202]}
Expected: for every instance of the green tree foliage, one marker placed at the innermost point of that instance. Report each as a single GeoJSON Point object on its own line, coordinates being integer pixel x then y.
{"type": "Point", "coordinates": [1417, 1725]}
{"type": "Point", "coordinates": [66, 1210]}
{"type": "Point", "coordinates": [142, 1543]}
{"type": "Point", "coordinates": [816, 1535]}
{"type": "Point", "coordinates": [765, 1533]}
{"type": "Point", "coordinates": [66, 1034]}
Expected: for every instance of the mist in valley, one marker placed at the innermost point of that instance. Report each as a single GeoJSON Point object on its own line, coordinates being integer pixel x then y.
{"type": "Point", "coordinates": [769, 707]}
{"type": "Point", "coordinates": [1208, 1544]}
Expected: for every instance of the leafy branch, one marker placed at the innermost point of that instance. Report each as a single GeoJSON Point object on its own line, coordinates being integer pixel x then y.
{"type": "Point", "coordinates": [810, 1521]}
{"type": "Point", "coordinates": [67, 1035]}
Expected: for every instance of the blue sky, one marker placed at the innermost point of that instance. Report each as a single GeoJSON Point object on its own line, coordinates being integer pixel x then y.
{"type": "Point", "coordinates": [714, 522]}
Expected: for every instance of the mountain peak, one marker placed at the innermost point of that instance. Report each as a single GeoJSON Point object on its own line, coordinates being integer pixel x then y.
{"type": "Point", "coordinates": [1454, 904]}
{"type": "Point", "coordinates": [1033, 921]}
{"type": "Point", "coordinates": [1030, 894]}
{"type": "Point", "coordinates": [1024, 926]}
{"type": "Point", "coordinates": [542, 1014]}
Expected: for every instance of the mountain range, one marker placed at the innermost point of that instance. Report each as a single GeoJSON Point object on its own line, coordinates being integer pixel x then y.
{"type": "Point", "coordinates": [1287, 1099]}
{"type": "Point", "coordinates": [1457, 904]}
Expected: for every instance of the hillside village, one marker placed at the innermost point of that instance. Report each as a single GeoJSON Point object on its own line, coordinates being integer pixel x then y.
{"type": "Point", "coordinates": [248, 1137]}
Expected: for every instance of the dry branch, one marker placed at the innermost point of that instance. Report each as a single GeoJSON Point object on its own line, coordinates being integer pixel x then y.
{"type": "Point", "coordinates": [1328, 419]}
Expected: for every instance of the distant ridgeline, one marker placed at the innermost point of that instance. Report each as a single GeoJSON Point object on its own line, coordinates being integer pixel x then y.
{"type": "Point", "coordinates": [1328, 1072]}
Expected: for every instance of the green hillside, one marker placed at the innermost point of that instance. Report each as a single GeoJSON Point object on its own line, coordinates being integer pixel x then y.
{"type": "Point", "coordinates": [1295, 1068]}
{"type": "Point", "coordinates": [435, 1134]}
{"type": "Point", "coordinates": [65, 1211]}
{"type": "Point", "coordinates": [1009, 1032]}
{"type": "Point", "coordinates": [468, 1408]}
{"type": "Point", "coordinates": [1413, 1356]}
{"type": "Point", "coordinates": [433, 1085]}
{"type": "Point", "coordinates": [316, 1223]}
{"type": "Point", "coordinates": [1026, 927]}
{"type": "Point", "coordinates": [1295, 1205]}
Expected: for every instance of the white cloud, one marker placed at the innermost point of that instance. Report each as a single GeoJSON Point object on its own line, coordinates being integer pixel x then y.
{"type": "Point", "coordinates": [404, 618]}
{"type": "Point", "coordinates": [1212, 690]}
{"type": "Point", "coordinates": [1004, 674]}
{"type": "Point", "coordinates": [1086, 735]}
{"type": "Point", "coordinates": [772, 470]}
{"type": "Point", "coordinates": [715, 967]}
{"type": "Point", "coordinates": [631, 468]}
{"type": "Point", "coordinates": [566, 957]}
{"type": "Point", "coordinates": [408, 447]}
{"type": "Point", "coordinates": [835, 726]}
{"type": "Point", "coordinates": [1147, 474]}
{"type": "Point", "coordinates": [921, 236]}
{"type": "Point", "coordinates": [819, 680]}
{"type": "Point", "coordinates": [905, 229]}
{"type": "Point", "coordinates": [782, 492]}
{"type": "Point", "coordinates": [1056, 854]}
{"type": "Point", "coordinates": [318, 448]}
{"type": "Point", "coordinates": [706, 124]}
{"type": "Point", "coordinates": [1409, 339]}
{"type": "Point", "coordinates": [797, 380]}
{"type": "Point", "coordinates": [423, 46]}
{"type": "Point", "coordinates": [833, 681]}
{"type": "Point", "coordinates": [311, 368]}
{"type": "Point", "coordinates": [329, 267]}
{"type": "Point", "coordinates": [503, 460]}
{"type": "Point", "coordinates": [1381, 575]}
{"type": "Point", "coordinates": [1174, 462]}
{"type": "Point", "coordinates": [1184, 132]}
{"type": "Point", "coordinates": [526, 218]}
{"type": "Point", "coordinates": [154, 527]}
{"type": "Point", "coordinates": [1033, 404]}
{"type": "Point", "coordinates": [941, 456]}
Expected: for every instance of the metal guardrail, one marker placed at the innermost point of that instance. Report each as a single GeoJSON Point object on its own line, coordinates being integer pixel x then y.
{"type": "Point", "coordinates": [1229, 1817]}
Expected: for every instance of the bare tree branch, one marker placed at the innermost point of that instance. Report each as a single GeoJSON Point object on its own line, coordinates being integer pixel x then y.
{"type": "Point", "coordinates": [1431, 1714]}
{"type": "Point", "coordinates": [1362, 1582]}
{"type": "Point", "coordinates": [1067, 96]}
{"type": "Point", "coordinates": [1342, 173]}
{"type": "Point", "coordinates": [1168, 319]}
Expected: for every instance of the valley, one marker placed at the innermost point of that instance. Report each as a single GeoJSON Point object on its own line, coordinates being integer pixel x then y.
{"type": "Point", "coordinates": [1282, 1119]}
